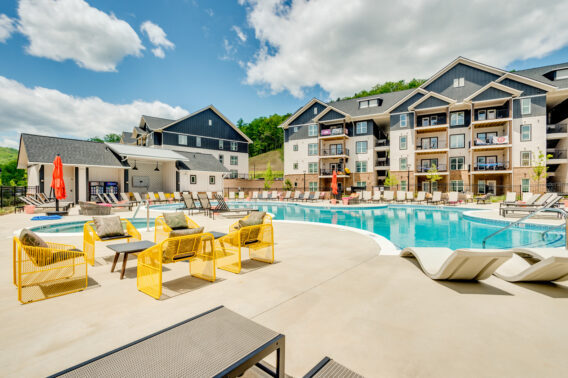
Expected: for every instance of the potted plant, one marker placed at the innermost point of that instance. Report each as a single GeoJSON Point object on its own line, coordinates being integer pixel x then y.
{"type": "Point", "coordinates": [345, 200]}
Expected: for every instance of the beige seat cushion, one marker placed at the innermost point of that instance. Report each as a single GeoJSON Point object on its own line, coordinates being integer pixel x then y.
{"type": "Point", "coordinates": [254, 219]}
{"type": "Point", "coordinates": [108, 226]}
{"type": "Point", "coordinates": [176, 221]}
{"type": "Point", "coordinates": [175, 249]}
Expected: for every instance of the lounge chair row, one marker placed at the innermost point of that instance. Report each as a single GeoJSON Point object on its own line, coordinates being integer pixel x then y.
{"type": "Point", "coordinates": [533, 203]}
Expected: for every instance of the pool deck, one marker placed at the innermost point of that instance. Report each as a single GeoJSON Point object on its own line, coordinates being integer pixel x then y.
{"type": "Point", "coordinates": [330, 292]}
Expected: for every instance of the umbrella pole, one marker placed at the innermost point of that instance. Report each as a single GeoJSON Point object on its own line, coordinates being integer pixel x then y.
{"type": "Point", "coordinates": [56, 205]}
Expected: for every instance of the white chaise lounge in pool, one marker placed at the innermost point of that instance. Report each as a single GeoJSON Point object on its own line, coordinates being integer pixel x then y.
{"type": "Point", "coordinates": [551, 265]}
{"type": "Point", "coordinates": [440, 263]}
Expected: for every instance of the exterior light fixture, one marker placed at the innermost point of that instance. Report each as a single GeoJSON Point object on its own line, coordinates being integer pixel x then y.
{"type": "Point", "coordinates": [156, 169]}
{"type": "Point", "coordinates": [135, 168]}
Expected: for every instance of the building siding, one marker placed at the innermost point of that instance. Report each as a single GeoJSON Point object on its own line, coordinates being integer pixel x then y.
{"type": "Point", "coordinates": [538, 107]}
{"type": "Point", "coordinates": [302, 133]}
{"type": "Point", "coordinates": [432, 102]}
{"type": "Point", "coordinates": [331, 115]}
{"type": "Point", "coordinates": [474, 79]}
{"type": "Point", "coordinates": [198, 124]}
{"type": "Point", "coordinates": [491, 94]}
{"type": "Point", "coordinates": [308, 115]}
{"type": "Point", "coordinates": [395, 122]}
{"type": "Point", "coordinates": [526, 89]}
{"type": "Point", "coordinates": [172, 139]}
{"type": "Point", "coordinates": [404, 106]}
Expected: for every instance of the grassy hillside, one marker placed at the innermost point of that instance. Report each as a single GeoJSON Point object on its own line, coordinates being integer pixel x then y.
{"type": "Point", "coordinates": [258, 163]}
{"type": "Point", "coordinates": [7, 154]}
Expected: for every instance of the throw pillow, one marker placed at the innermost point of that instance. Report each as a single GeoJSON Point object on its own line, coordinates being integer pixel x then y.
{"type": "Point", "coordinates": [108, 226]}
{"type": "Point", "coordinates": [31, 239]}
{"type": "Point", "coordinates": [176, 221]}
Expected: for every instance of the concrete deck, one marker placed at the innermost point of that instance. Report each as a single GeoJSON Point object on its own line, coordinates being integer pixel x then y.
{"type": "Point", "coordinates": [329, 292]}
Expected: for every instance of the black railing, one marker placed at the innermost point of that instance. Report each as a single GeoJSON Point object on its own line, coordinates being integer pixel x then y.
{"type": "Point", "coordinates": [9, 195]}
{"type": "Point", "coordinates": [334, 151]}
{"type": "Point", "coordinates": [430, 125]}
{"type": "Point", "coordinates": [492, 141]}
{"type": "Point", "coordinates": [557, 154]}
{"type": "Point", "coordinates": [557, 128]}
{"type": "Point", "coordinates": [332, 132]}
{"type": "Point", "coordinates": [329, 172]}
{"type": "Point", "coordinates": [498, 166]}
{"type": "Point", "coordinates": [439, 168]}
{"type": "Point", "coordinates": [382, 143]}
{"type": "Point", "coordinates": [499, 114]}
{"type": "Point", "coordinates": [432, 145]}
{"type": "Point", "coordinates": [382, 163]}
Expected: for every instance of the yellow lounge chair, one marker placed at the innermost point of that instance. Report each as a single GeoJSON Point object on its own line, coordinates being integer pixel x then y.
{"type": "Point", "coordinates": [197, 248]}
{"type": "Point", "coordinates": [90, 237]}
{"type": "Point", "coordinates": [259, 239]}
{"type": "Point", "coordinates": [162, 230]}
{"type": "Point", "coordinates": [47, 272]}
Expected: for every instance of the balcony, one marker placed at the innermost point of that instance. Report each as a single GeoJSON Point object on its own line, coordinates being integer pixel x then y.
{"type": "Point", "coordinates": [328, 172]}
{"type": "Point", "coordinates": [334, 152]}
{"type": "Point", "coordinates": [382, 164]}
{"type": "Point", "coordinates": [557, 157]}
{"type": "Point", "coordinates": [442, 168]}
{"type": "Point", "coordinates": [557, 131]}
{"type": "Point", "coordinates": [428, 128]}
{"type": "Point", "coordinates": [498, 167]}
{"type": "Point", "coordinates": [433, 146]}
{"type": "Point", "coordinates": [333, 133]}
{"type": "Point", "coordinates": [382, 145]}
{"type": "Point", "coordinates": [492, 142]}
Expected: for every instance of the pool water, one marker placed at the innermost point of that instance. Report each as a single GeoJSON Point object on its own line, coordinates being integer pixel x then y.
{"type": "Point", "coordinates": [407, 225]}
{"type": "Point", "coordinates": [76, 227]}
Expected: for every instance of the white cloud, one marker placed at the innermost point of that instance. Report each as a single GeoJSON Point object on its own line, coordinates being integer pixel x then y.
{"type": "Point", "coordinates": [209, 12]}
{"type": "Point", "coordinates": [51, 112]}
{"type": "Point", "coordinates": [242, 36]}
{"type": "Point", "coordinates": [346, 46]}
{"type": "Point", "coordinates": [230, 50]}
{"type": "Point", "coordinates": [157, 37]}
{"type": "Point", "coordinates": [6, 27]}
{"type": "Point", "coordinates": [72, 29]}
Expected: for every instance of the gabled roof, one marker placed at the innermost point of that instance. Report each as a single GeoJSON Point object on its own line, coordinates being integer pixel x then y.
{"type": "Point", "coordinates": [214, 109]}
{"type": "Point", "coordinates": [409, 94]}
{"type": "Point", "coordinates": [196, 161]}
{"type": "Point", "coordinates": [127, 138]}
{"type": "Point", "coordinates": [351, 106]}
{"type": "Point", "coordinates": [141, 152]}
{"type": "Point", "coordinates": [526, 80]}
{"type": "Point", "coordinates": [541, 74]}
{"type": "Point", "coordinates": [41, 149]}
{"type": "Point", "coordinates": [501, 87]}
{"type": "Point", "coordinates": [445, 99]}
{"type": "Point", "coordinates": [298, 112]}
{"type": "Point", "coordinates": [327, 110]}
{"type": "Point", "coordinates": [154, 123]}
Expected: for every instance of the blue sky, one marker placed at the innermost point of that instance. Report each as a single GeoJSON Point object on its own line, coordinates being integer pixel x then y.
{"type": "Point", "coordinates": [249, 58]}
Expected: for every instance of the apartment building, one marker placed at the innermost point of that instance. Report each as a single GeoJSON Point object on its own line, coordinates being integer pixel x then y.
{"type": "Point", "coordinates": [206, 131]}
{"type": "Point", "coordinates": [479, 127]}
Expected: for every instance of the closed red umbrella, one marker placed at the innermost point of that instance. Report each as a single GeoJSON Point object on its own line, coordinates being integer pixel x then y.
{"type": "Point", "coordinates": [57, 182]}
{"type": "Point", "coordinates": [334, 183]}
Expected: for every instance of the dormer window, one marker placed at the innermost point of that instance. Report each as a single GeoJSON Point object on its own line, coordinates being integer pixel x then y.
{"type": "Point", "coordinates": [561, 74]}
{"type": "Point", "coordinates": [370, 103]}
{"type": "Point", "coordinates": [459, 82]}
{"type": "Point", "coordinates": [315, 110]}
{"type": "Point", "coordinates": [210, 122]}
{"type": "Point", "coordinates": [374, 102]}
{"type": "Point", "coordinates": [363, 104]}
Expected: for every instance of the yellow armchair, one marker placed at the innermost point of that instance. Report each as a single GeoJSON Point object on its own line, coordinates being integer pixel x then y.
{"type": "Point", "coordinates": [197, 248]}
{"type": "Point", "coordinates": [41, 273]}
{"type": "Point", "coordinates": [90, 237]}
{"type": "Point", "coordinates": [162, 230]}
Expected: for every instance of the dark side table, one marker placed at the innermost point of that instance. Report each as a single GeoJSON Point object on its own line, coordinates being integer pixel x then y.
{"type": "Point", "coordinates": [126, 249]}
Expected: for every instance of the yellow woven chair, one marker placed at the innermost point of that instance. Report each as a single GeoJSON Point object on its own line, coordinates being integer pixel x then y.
{"type": "Point", "coordinates": [90, 237]}
{"type": "Point", "coordinates": [258, 239]}
{"type": "Point", "coordinates": [162, 230]}
{"type": "Point", "coordinates": [41, 273]}
{"type": "Point", "coordinates": [197, 248]}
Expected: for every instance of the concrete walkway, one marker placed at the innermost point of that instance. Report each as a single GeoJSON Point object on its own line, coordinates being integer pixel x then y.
{"type": "Point", "coordinates": [329, 292]}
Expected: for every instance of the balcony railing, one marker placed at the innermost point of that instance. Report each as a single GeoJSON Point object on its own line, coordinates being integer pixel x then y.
{"type": "Point", "coordinates": [382, 143]}
{"type": "Point", "coordinates": [492, 141]}
{"type": "Point", "coordinates": [499, 114]}
{"type": "Point", "coordinates": [557, 154]}
{"type": "Point", "coordinates": [334, 151]}
{"type": "Point", "coordinates": [557, 128]}
{"type": "Point", "coordinates": [329, 172]}
{"type": "Point", "coordinates": [332, 132]}
{"type": "Point", "coordinates": [499, 166]}
{"type": "Point", "coordinates": [439, 168]}
{"type": "Point", "coordinates": [432, 145]}
{"type": "Point", "coordinates": [382, 163]}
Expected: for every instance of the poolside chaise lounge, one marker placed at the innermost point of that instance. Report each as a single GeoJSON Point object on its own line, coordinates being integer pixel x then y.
{"type": "Point", "coordinates": [209, 195]}
{"type": "Point", "coordinates": [441, 263]}
{"type": "Point", "coordinates": [484, 198]}
{"type": "Point", "coordinates": [328, 368]}
{"type": "Point", "coordinates": [205, 204]}
{"type": "Point", "coordinates": [108, 228]}
{"type": "Point", "coordinates": [222, 207]}
{"type": "Point", "coordinates": [420, 197]}
{"type": "Point", "coordinates": [366, 196]}
{"type": "Point", "coordinates": [535, 264]}
{"type": "Point", "coordinates": [254, 232]}
{"type": "Point", "coordinates": [254, 195]}
{"type": "Point", "coordinates": [126, 197]}
{"type": "Point", "coordinates": [231, 195]}
{"type": "Point", "coordinates": [118, 203]}
{"type": "Point", "coordinates": [177, 196]}
{"type": "Point", "coordinates": [453, 198]}
{"type": "Point", "coordinates": [275, 195]}
{"type": "Point", "coordinates": [376, 196]}
{"type": "Point", "coordinates": [297, 195]}
{"type": "Point", "coordinates": [43, 270]}
{"type": "Point", "coordinates": [162, 197]}
{"type": "Point", "coordinates": [166, 223]}
{"type": "Point", "coordinates": [137, 197]}
{"type": "Point", "coordinates": [388, 196]}
{"type": "Point", "coordinates": [525, 196]}
{"type": "Point", "coordinates": [547, 200]}
{"type": "Point", "coordinates": [287, 195]}
{"type": "Point", "coordinates": [189, 203]}
{"type": "Point", "coordinates": [409, 196]}
{"type": "Point", "coordinates": [510, 198]}
{"type": "Point", "coordinates": [436, 197]}
{"type": "Point", "coordinates": [241, 195]}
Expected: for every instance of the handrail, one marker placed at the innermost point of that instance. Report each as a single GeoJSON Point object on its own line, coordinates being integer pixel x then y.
{"type": "Point", "coordinates": [553, 228]}
{"type": "Point", "coordinates": [547, 207]}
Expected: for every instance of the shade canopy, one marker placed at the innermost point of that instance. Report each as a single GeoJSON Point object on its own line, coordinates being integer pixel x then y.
{"type": "Point", "coordinates": [57, 182]}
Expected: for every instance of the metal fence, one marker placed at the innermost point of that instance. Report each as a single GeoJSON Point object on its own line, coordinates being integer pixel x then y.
{"type": "Point", "coordinates": [9, 195]}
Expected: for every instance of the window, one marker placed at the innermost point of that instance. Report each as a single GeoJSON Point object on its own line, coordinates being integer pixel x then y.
{"type": "Point", "coordinates": [220, 144]}
{"type": "Point", "coordinates": [457, 163]}
{"type": "Point", "coordinates": [425, 121]}
{"type": "Point", "coordinates": [525, 133]}
{"type": "Point", "coordinates": [403, 120]}
{"type": "Point", "coordinates": [481, 115]}
{"type": "Point", "coordinates": [295, 166]}
{"type": "Point", "coordinates": [361, 127]}
{"type": "Point", "coordinates": [312, 167]}
{"type": "Point", "coordinates": [312, 130]}
{"type": "Point", "coordinates": [210, 123]}
{"type": "Point", "coordinates": [363, 104]}
{"type": "Point", "coordinates": [525, 158]}
{"type": "Point", "coordinates": [434, 120]}
{"type": "Point", "coordinates": [561, 74]}
{"type": "Point", "coordinates": [361, 147]}
{"type": "Point", "coordinates": [459, 82]}
{"type": "Point", "coordinates": [182, 139]}
{"type": "Point", "coordinates": [193, 179]}
{"type": "Point", "coordinates": [234, 173]}
{"type": "Point", "coordinates": [525, 106]}
{"type": "Point", "coordinates": [491, 114]}
{"type": "Point", "coordinates": [457, 119]}
{"type": "Point", "coordinates": [403, 165]}
{"type": "Point", "coordinates": [313, 186]}
{"type": "Point", "coordinates": [198, 141]}
{"type": "Point", "coordinates": [457, 141]}
{"type": "Point", "coordinates": [403, 142]}
{"type": "Point", "coordinates": [234, 160]}
{"type": "Point", "coordinates": [403, 185]}
{"type": "Point", "coordinates": [361, 184]}
{"type": "Point", "coordinates": [211, 180]}
{"type": "Point", "coordinates": [456, 186]}
{"type": "Point", "coordinates": [374, 102]}
{"type": "Point", "coordinates": [312, 149]}
{"type": "Point", "coordinates": [234, 146]}
{"type": "Point", "coordinates": [295, 147]}
{"type": "Point", "coordinates": [221, 159]}
{"type": "Point", "coordinates": [525, 185]}
{"type": "Point", "coordinates": [295, 129]}
{"type": "Point", "coordinates": [361, 166]}
{"type": "Point", "coordinates": [315, 110]}
{"type": "Point", "coordinates": [481, 186]}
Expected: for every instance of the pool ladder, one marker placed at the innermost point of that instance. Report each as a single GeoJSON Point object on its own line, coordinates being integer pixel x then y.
{"type": "Point", "coordinates": [147, 213]}
{"type": "Point", "coordinates": [546, 208]}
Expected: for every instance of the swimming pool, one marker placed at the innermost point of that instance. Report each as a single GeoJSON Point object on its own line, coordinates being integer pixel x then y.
{"type": "Point", "coordinates": [77, 227]}
{"type": "Point", "coordinates": [408, 225]}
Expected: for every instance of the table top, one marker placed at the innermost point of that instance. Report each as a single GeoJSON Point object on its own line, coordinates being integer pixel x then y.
{"type": "Point", "coordinates": [213, 343]}
{"type": "Point", "coordinates": [131, 247]}
{"type": "Point", "coordinates": [217, 234]}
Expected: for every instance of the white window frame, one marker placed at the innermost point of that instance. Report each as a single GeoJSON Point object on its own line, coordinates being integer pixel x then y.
{"type": "Point", "coordinates": [401, 145]}
{"type": "Point", "coordinates": [561, 74]}
{"type": "Point", "coordinates": [361, 143]}
{"type": "Point", "coordinates": [525, 185]}
{"type": "Point", "coordinates": [312, 167]}
{"type": "Point", "coordinates": [457, 116]}
{"type": "Point", "coordinates": [182, 140]}
{"type": "Point", "coordinates": [482, 115]}
{"type": "Point", "coordinates": [234, 160]}
{"type": "Point", "coordinates": [210, 122]}
{"type": "Point", "coordinates": [524, 161]}
{"type": "Point", "coordinates": [455, 136]}
{"type": "Point", "coordinates": [403, 163]}
{"type": "Point", "coordinates": [526, 105]}
{"type": "Point", "coordinates": [457, 161]}
{"type": "Point", "coordinates": [361, 166]}
{"type": "Point", "coordinates": [433, 120]}
{"type": "Point", "coordinates": [192, 179]}
{"type": "Point", "coordinates": [361, 127]}
{"type": "Point", "coordinates": [315, 110]}
{"type": "Point", "coordinates": [211, 180]}
{"type": "Point", "coordinates": [404, 120]}
{"type": "Point", "coordinates": [221, 146]}
{"type": "Point", "coordinates": [523, 139]}
{"type": "Point", "coordinates": [312, 130]}
{"type": "Point", "coordinates": [456, 186]}
{"type": "Point", "coordinates": [481, 186]}
{"type": "Point", "coordinates": [313, 186]}
{"type": "Point", "coordinates": [363, 104]}
{"type": "Point", "coordinates": [425, 121]}
{"type": "Point", "coordinates": [234, 146]}
{"type": "Point", "coordinates": [197, 141]}
{"type": "Point", "coordinates": [312, 149]}
{"type": "Point", "coordinates": [459, 82]}
{"type": "Point", "coordinates": [373, 102]}
{"type": "Point", "coordinates": [221, 159]}
{"type": "Point", "coordinates": [403, 185]}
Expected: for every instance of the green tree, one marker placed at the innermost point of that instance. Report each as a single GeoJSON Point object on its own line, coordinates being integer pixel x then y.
{"type": "Point", "coordinates": [268, 177]}
{"type": "Point", "coordinates": [109, 138]}
{"type": "Point", "coordinates": [388, 87]}
{"type": "Point", "coordinates": [287, 184]}
{"type": "Point", "coordinates": [433, 175]}
{"type": "Point", "coordinates": [264, 132]}
{"type": "Point", "coordinates": [391, 181]}
{"type": "Point", "coordinates": [540, 170]}
{"type": "Point", "coordinates": [12, 175]}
